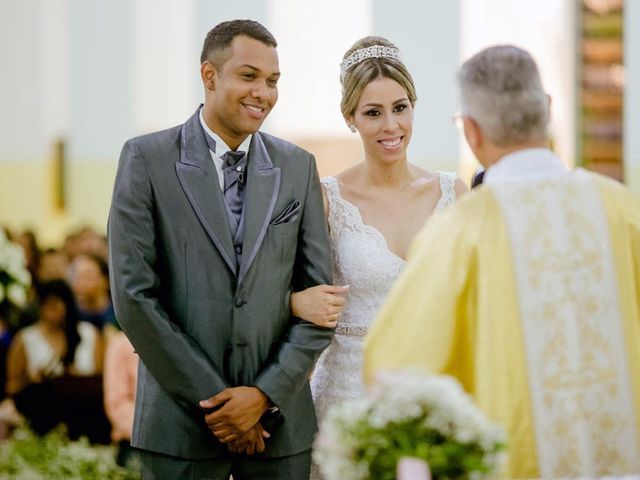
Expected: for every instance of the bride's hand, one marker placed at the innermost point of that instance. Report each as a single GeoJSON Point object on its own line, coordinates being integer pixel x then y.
{"type": "Point", "coordinates": [320, 305]}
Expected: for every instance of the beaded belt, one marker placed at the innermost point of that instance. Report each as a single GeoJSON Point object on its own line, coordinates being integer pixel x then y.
{"type": "Point", "coordinates": [351, 330]}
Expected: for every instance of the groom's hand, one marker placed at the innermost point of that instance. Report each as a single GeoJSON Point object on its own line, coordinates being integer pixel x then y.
{"type": "Point", "coordinates": [250, 442]}
{"type": "Point", "coordinates": [237, 410]}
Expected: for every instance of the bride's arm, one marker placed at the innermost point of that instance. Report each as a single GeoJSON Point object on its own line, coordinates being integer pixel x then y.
{"type": "Point", "coordinates": [321, 304]}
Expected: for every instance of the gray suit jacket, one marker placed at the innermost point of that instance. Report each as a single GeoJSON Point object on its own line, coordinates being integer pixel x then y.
{"type": "Point", "coordinates": [197, 326]}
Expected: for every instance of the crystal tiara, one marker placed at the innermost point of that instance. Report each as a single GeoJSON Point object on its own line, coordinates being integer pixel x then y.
{"type": "Point", "coordinates": [374, 51]}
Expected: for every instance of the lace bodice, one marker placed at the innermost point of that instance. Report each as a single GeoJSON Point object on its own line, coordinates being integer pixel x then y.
{"type": "Point", "coordinates": [362, 260]}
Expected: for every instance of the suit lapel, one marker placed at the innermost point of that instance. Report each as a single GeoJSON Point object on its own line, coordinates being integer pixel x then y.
{"type": "Point", "coordinates": [199, 181]}
{"type": "Point", "coordinates": [263, 186]}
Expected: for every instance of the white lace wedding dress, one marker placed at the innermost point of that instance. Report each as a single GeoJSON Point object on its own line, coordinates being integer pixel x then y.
{"type": "Point", "coordinates": [362, 260]}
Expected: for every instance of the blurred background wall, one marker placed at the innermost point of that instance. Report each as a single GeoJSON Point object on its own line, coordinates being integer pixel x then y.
{"type": "Point", "coordinates": [80, 77]}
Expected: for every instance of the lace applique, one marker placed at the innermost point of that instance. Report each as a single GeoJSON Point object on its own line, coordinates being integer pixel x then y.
{"type": "Point", "coordinates": [447, 186]}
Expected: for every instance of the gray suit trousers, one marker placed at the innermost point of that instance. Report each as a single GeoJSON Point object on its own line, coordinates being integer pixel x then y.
{"type": "Point", "coordinates": [156, 466]}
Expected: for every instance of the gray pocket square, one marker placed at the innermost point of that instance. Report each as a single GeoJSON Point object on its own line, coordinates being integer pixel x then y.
{"type": "Point", "coordinates": [288, 215]}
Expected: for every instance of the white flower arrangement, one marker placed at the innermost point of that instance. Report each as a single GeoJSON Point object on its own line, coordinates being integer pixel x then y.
{"type": "Point", "coordinates": [14, 276]}
{"type": "Point", "coordinates": [409, 414]}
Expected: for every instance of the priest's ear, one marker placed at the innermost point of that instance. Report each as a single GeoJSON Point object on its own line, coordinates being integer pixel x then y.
{"type": "Point", "coordinates": [472, 133]}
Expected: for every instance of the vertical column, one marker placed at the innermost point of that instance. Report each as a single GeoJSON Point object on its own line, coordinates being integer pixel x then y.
{"type": "Point", "coordinates": [100, 78]}
{"type": "Point", "coordinates": [632, 94]}
{"type": "Point", "coordinates": [427, 34]}
{"type": "Point", "coordinates": [33, 96]}
{"type": "Point", "coordinates": [54, 67]}
{"type": "Point", "coordinates": [33, 46]}
{"type": "Point", "coordinates": [165, 59]}
{"type": "Point", "coordinates": [101, 105]}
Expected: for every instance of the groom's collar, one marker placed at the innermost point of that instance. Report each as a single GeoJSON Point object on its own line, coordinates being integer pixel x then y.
{"type": "Point", "coordinates": [220, 146]}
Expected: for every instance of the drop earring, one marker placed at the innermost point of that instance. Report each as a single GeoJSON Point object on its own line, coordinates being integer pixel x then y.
{"type": "Point", "coordinates": [353, 128]}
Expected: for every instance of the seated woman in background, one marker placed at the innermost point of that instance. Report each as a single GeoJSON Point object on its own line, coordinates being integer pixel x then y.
{"type": "Point", "coordinates": [54, 265]}
{"type": "Point", "coordinates": [120, 376]}
{"type": "Point", "coordinates": [54, 368]}
{"type": "Point", "coordinates": [90, 284]}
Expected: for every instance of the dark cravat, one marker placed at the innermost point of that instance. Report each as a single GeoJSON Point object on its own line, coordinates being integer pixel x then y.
{"type": "Point", "coordinates": [234, 171]}
{"type": "Point", "coordinates": [477, 179]}
{"type": "Point", "coordinates": [234, 179]}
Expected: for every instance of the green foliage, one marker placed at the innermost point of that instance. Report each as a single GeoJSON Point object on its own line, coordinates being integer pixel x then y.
{"type": "Point", "coordinates": [28, 457]}
{"type": "Point", "coordinates": [447, 458]}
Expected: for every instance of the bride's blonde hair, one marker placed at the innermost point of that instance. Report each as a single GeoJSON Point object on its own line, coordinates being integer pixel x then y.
{"type": "Point", "coordinates": [356, 78]}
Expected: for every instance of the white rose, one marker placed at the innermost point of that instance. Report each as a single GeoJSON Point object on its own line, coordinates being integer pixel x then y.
{"type": "Point", "coordinates": [17, 294]}
{"type": "Point", "coordinates": [15, 256]}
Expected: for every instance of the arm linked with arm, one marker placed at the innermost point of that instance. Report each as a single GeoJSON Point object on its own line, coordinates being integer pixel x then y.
{"type": "Point", "coordinates": [304, 342]}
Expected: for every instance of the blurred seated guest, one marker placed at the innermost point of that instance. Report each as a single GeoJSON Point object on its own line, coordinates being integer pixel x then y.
{"type": "Point", "coordinates": [71, 245]}
{"type": "Point", "coordinates": [54, 265]}
{"type": "Point", "coordinates": [5, 341]}
{"type": "Point", "coordinates": [27, 240]}
{"type": "Point", "coordinates": [90, 284]}
{"type": "Point", "coordinates": [91, 242]}
{"type": "Point", "coordinates": [10, 418]}
{"type": "Point", "coordinates": [53, 368]}
{"type": "Point", "coordinates": [120, 375]}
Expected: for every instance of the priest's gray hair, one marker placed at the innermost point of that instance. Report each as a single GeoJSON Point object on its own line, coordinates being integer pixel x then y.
{"type": "Point", "coordinates": [500, 88]}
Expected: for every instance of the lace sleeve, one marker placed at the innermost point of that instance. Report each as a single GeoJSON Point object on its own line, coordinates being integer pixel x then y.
{"type": "Point", "coordinates": [330, 185]}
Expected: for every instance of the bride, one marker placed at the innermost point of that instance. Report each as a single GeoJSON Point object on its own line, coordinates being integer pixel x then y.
{"type": "Point", "coordinates": [374, 209]}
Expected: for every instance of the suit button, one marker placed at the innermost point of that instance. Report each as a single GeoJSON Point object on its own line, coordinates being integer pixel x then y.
{"type": "Point", "coordinates": [238, 249]}
{"type": "Point", "coordinates": [240, 302]}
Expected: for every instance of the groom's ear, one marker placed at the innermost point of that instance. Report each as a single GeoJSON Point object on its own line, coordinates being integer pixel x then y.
{"type": "Point", "coordinates": [209, 75]}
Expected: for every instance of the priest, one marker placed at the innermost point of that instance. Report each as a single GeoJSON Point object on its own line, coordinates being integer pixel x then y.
{"type": "Point", "coordinates": [527, 291]}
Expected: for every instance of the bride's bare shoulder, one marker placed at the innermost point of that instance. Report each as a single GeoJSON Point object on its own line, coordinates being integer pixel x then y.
{"type": "Point", "coordinates": [349, 175]}
{"type": "Point", "coordinates": [423, 176]}
{"type": "Point", "coordinates": [350, 179]}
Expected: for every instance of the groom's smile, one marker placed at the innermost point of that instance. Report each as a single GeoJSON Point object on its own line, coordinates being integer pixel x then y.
{"type": "Point", "coordinates": [255, 111]}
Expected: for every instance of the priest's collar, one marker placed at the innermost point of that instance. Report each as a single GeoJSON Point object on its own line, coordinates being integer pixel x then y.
{"type": "Point", "coordinates": [529, 164]}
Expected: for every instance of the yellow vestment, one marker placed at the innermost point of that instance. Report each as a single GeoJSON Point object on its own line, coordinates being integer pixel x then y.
{"type": "Point", "coordinates": [528, 292]}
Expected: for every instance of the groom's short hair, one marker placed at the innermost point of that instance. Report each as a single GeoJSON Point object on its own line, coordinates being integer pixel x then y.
{"type": "Point", "coordinates": [220, 37]}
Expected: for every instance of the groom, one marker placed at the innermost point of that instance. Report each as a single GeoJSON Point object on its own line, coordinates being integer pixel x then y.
{"type": "Point", "coordinates": [212, 225]}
